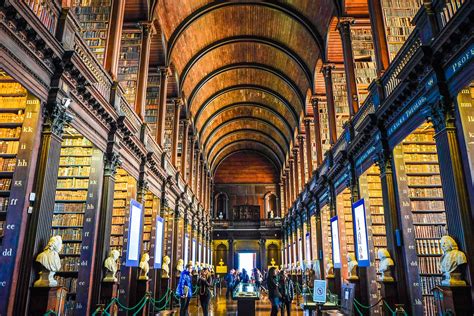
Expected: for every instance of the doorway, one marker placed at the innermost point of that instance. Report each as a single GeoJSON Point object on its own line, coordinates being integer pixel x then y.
{"type": "Point", "coordinates": [246, 260]}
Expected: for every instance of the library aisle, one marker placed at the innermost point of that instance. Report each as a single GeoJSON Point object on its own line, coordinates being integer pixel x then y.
{"type": "Point", "coordinates": [316, 153]}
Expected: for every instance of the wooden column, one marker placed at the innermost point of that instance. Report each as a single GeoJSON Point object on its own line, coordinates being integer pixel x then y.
{"type": "Point", "coordinates": [296, 182]}
{"type": "Point", "coordinates": [382, 56]}
{"type": "Point", "coordinates": [201, 188]}
{"type": "Point", "coordinates": [285, 201]}
{"type": "Point", "coordinates": [184, 150]}
{"type": "Point", "coordinates": [160, 123]}
{"type": "Point", "coordinates": [309, 156]}
{"type": "Point", "coordinates": [288, 189]}
{"type": "Point", "coordinates": [191, 163]}
{"type": "Point", "coordinates": [317, 131]}
{"type": "Point", "coordinates": [302, 164]}
{"type": "Point", "coordinates": [55, 117]}
{"type": "Point", "coordinates": [327, 71]}
{"type": "Point", "coordinates": [292, 184]}
{"type": "Point", "coordinates": [196, 174]}
{"type": "Point", "coordinates": [344, 27]}
{"type": "Point", "coordinates": [174, 149]}
{"type": "Point", "coordinates": [142, 80]}
{"type": "Point", "coordinates": [114, 37]}
{"type": "Point", "coordinates": [456, 198]}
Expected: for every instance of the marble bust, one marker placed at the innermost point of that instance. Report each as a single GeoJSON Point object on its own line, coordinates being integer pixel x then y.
{"type": "Point", "coordinates": [451, 263]}
{"type": "Point", "coordinates": [386, 265]}
{"type": "Point", "coordinates": [352, 266]}
{"type": "Point", "coordinates": [111, 265]}
{"type": "Point", "coordinates": [179, 267]}
{"type": "Point", "coordinates": [144, 266]}
{"type": "Point", "coordinates": [165, 268]}
{"type": "Point", "coordinates": [50, 263]}
{"type": "Point", "coordinates": [329, 269]}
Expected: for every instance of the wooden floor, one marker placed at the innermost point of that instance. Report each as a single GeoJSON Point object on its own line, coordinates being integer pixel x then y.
{"type": "Point", "coordinates": [222, 307]}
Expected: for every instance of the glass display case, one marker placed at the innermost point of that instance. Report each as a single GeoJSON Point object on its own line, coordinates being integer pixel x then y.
{"type": "Point", "coordinates": [246, 291]}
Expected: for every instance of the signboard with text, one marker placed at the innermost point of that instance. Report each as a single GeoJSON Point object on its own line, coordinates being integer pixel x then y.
{"type": "Point", "coordinates": [158, 257]}
{"type": "Point", "coordinates": [336, 248]}
{"type": "Point", "coordinates": [134, 234]}
{"type": "Point", "coordinates": [360, 233]}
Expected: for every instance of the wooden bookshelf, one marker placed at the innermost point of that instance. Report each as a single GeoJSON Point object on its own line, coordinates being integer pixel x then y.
{"type": "Point", "coordinates": [424, 217]}
{"type": "Point", "coordinates": [79, 175]}
{"type": "Point", "coordinates": [93, 16]}
{"type": "Point", "coordinates": [152, 205]}
{"type": "Point", "coordinates": [364, 59]}
{"type": "Point", "coordinates": [341, 104]}
{"type": "Point", "coordinates": [398, 15]}
{"type": "Point", "coordinates": [129, 62]}
{"type": "Point", "coordinates": [324, 126]}
{"type": "Point", "coordinates": [370, 187]}
{"type": "Point", "coordinates": [346, 229]}
{"type": "Point", "coordinates": [152, 99]}
{"type": "Point", "coordinates": [46, 13]}
{"type": "Point", "coordinates": [326, 235]}
{"type": "Point", "coordinates": [19, 117]}
{"type": "Point", "coordinates": [169, 118]}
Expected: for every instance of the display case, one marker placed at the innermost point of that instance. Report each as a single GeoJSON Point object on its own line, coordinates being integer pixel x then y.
{"type": "Point", "coordinates": [246, 291]}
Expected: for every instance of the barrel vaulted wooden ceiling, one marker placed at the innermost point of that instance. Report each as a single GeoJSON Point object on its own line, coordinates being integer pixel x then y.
{"type": "Point", "coordinates": [245, 69]}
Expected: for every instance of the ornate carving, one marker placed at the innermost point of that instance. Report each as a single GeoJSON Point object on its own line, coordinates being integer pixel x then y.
{"type": "Point", "coordinates": [112, 161]}
{"type": "Point", "coordinates": [56, 116]}
{"type": "Point", "coordinates": [437, 115]}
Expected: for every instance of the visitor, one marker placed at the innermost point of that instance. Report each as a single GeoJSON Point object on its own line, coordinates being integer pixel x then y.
{"type": "Point", "coordinates": [287, 291]}
{"type": "Point", "coordinates": [258, 278]}
{"type": "Point", "coordinates": [229, 280]}
{"type": "Point", "coordinates": [184, 289]}
{"type": "Point", "coordinates": [204, 284]}
{"type": "Point", "coordinates": [273, 292]}
{"type": "Point", "coordinates": [244, 276]}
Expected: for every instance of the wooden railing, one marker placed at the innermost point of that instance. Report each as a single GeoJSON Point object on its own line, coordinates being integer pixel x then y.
{"type": "Point", "coordinates": [446, 9]}
{"type": "Point", "coordinates": [47, 12]}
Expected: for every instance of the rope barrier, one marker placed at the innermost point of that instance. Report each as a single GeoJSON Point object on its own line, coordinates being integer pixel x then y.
{"type": "Point", "coordinates": [367, 307]}
{"type": "Point", "coordinates": [50, 312]}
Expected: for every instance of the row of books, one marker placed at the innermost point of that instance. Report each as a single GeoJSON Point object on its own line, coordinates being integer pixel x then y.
{"type": "Point", "coordinates": [421, 148]}
{"type": "Point", "coordinates": [72, 183]}
{"type": "Point", "coordinates": [68, 234]}
{"type": "Point", "coordinates": [7, 164]}
{"type": "Point", "coordinates": [11, 88]}
{"type": "Point", "coordinates": [68, 220]}
{"type": "Point", "coordinates": [429, 265]}
{"type": "Point", "coordinates": [3, 204]}
{"type": "Point", "coordinates": [426, 168]}
{"type": "Point", "coordinates": [68, 160]}
{"type": "Point", "coordinates": [429, 218]}
{"type": "Point", "coordinates": [427, 205]}
{"type": "Point", "coordinates": [10, 132]}
{"type": "Point", "coordinates": [46, 13]}
{"type": "Point", "coordinates": [11, 117]}
{"type": "Point", "coordinates": [69, 283]}
{"type": "Point", "coordinates": [76, 151]}
{"type": "Point", "coordinates": [78, 142]}
{"type": "Point", "coordinates": [426, 192]}
{"type": "Point", "coordinates": [428, 247]}
{"type": "Point", "coordinates": [118, 220]}
{"type": "Point", "coordinates": [70, 264]}
{"type": "Point", "coordinates": [428, 283]}
{"type": "Point", "coordinates": [429, 305]}
{"type": "Point", "coordinates": [435, 231]}
{"type": "Point", "coordinates": [5, 184]}
{"type": "Point", "coordinates": [9, 147]}
{"type": "Point", "coordinates": [424, 180]}
{"type": "Point", "coordinates": [71, 195]}
{"type": "Point", "coordinates": [2, 228]}
{"type": "Point", "coordinates": [69, 207]}
{"type": "Point", "coordinates": [75, 171]}
{"type": "Point", "coordinates": [71, 249]}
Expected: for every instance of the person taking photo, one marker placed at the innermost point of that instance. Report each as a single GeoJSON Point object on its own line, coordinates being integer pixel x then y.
{"type": "Point", "coordinates": [204, 283]}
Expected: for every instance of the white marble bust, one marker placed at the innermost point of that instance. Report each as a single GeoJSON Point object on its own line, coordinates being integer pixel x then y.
{"type": "Point", "coordinates": [165, 268]}
{"type": "Point", "coordinates": [179, 267]}
{"type": "Point", "coordinates": [144, 266]}
{"type": "Point", "coordinates": [386, 265]}
{"type": "Point", "coordinates": [111, 265]}
{"type": "Point", "coordinates": [329, 269]}
{"type": "Point", "coordinates": [352, 266]}
{"type": "Point", "coordinates": [50, 263]}
{"type": "Point", "coordinates": [451, 260]}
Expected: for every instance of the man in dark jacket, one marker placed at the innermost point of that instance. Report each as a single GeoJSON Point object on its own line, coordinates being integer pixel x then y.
{"type": "Point", "coordinates": [229, 280]}
{"type": "Point", "coordinates": [287, 291]}
{"type": "Point", "coordinates": [185, 290]}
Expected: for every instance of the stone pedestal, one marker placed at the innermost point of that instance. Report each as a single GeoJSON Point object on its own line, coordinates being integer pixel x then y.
{"type": "Point", "coordinates": [455, 300]}
{"type": "Point", "coordinates": [45, 299]}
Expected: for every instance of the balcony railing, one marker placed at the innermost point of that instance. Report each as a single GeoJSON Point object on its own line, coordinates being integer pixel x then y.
{"type": "Point", "coordinates": [275, 223]}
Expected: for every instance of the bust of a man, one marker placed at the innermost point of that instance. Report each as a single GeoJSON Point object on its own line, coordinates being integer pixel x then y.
{"type": "Point", "coordinates": [144, 266]}
{"type": "Point", "coordinates": [50, 263]}
{"type": "Point", "coordinates": [329, 269]}
{"type": "Point", "coordinates": [386, 265]}
{"type": "Point", "coordinates": [452, 262]}
{"type": "Point", "coordinates": [352, 266]}
{"type": "Point", "coordinates": [179, 267]}
{"type": "Point", "coordinates": [165, 268]}
{"type": "Point", "coordinates": [111, 265]}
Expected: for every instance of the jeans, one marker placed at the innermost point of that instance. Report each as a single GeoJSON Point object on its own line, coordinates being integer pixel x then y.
{"type": "Point", "coordinates": [286, 304]}
{"type": "Point", "coordinates": [205, 304]}
{"type": "Point", "coordinates": [183, 306]}
{"type": "Point", "coordinates": [228, 292]}
{"type": "Point", "coordinates": [275, 306]}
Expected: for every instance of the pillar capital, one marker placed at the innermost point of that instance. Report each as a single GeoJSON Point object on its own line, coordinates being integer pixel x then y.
{"type": "Point", "coordinates": [327, 69]}
{"type": "Point", "coordinates": [344, 24]}
{"type": "Point", "coordinates": [165, 71]}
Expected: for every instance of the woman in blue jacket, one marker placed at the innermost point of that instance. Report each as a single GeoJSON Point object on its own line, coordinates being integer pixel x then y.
{"type": "Point", "coordinates": [185, 290]}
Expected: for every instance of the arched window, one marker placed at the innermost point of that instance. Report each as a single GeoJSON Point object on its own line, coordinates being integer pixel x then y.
{"type": "Point", "coordinates": [221, 201]}
{"type": "Point", "coordinates": [273, 255]}
{"type": "Point", "coordinates": [221, 254]}
{"type": "Point", "coordinates": [271, 207]}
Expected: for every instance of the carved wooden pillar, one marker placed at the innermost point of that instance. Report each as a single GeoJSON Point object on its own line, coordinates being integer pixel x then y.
{"type": "Point", "coordinates": [456, 198]}
{"type": "Point", "coordinates": [382, 56]}
{"type": "Point", "coordinates": [114, 37]}
{"type": "Point", "coordinates": [142, 82]}
{"type": "Point", "coordinates": [184, 150]}
{"type": "Point", "coordinates": [191, 163]}
{"type": "Point", "coordinates": [296, 182]}
{"type": "Point", "coordinates": [177, 112]}
{"type": "Point", "coordinates": [344, 27]}
{"type": "Point", "coordinates": [302, 163]}
{"type": "Point", "coordinates": [317, 131]}
{"type": "Point", "coordinates": [309, 156]}
{"type": "Point", "coordinates": [327, 71]}
{"type": "Point", "coordinates": [292, 184]}
{"type": "Point", "coordinates": [196, 169]}
{"type": "Point", "coordinates": [55, 117]}
{"type": "Point", "coordinates": [160, 123]}
{"type": "Point", "coordinates": [202, 176]}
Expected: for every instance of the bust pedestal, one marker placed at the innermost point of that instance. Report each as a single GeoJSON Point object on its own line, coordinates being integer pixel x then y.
{"type": "Point", "coordinates": [388, 291]}
{"type": "Point", "coordinates": [143, 287]}
{"type": "Point", "coordinates": [331, 284]}
{"type": "Point", "coordinates": [456, 299]}
{"type": "Point", "coordinates": [108, 291]}
{"type": "Point", "coordinates": [45, 299]}
{"type": "Point", "coordinates": [164, 285]}
{"type": "Point", "coordinates": [357, 294]}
